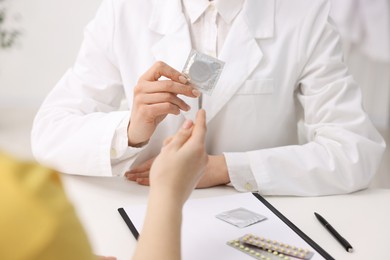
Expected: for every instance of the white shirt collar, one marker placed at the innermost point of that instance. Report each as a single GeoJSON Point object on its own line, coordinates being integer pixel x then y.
{"type": "Point", "coordinates": [227, 9]}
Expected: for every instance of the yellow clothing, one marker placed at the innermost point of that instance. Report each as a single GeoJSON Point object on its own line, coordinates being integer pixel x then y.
{"type": "Point", "coordinates": [36, 219]}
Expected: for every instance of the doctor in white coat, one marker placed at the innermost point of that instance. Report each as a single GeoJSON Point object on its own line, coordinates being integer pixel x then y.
{"type": "Point", "coordinates": [284, 119]}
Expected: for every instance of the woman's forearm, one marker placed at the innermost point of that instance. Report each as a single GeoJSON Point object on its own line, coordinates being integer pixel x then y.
{"type": "Point", "coordinates": [161, 229]}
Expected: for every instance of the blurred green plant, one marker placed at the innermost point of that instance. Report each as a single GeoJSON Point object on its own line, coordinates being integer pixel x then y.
{"type": "Point", "coordinates": [8, 37]}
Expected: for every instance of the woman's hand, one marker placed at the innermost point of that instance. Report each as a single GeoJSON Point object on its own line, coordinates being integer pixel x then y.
{"type": "Point", "coordinates": [182, 161]}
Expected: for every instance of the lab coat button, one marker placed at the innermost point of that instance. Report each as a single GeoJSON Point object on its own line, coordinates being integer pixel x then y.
{"type": "Point", "coordinates": [113, 152]}
{"type": "Point", "coordinates": [211, 53]}
{"type": "Point", "coordinates": [248, 186]}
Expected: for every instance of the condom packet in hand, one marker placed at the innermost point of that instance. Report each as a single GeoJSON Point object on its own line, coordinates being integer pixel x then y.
{"type": "Point", "coordinates": [241, 217]}
{"type": "Point", "coordinates": [203, 71]}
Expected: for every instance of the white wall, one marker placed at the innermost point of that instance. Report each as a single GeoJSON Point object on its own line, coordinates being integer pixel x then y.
{"type": "Point", "coordinates": [52, 33]}
{"type": "Point", "coordinates": [364, 26]}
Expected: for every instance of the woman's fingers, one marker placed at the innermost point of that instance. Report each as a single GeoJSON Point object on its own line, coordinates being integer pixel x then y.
{"type": "Point", "coordinates": [181, 135]}
{"type": "Point", "coordinates": [199, 131]}
{"type": "Point", "coordinates": [196, 132]}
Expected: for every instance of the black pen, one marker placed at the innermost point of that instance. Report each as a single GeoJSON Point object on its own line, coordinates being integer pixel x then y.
{"type": "Point", "coordinates": [336, 234]}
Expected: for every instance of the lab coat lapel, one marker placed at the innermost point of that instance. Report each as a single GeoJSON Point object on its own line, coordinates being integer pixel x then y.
{"type": "Point", "coordinates": [241, 52]}
{"type": "Point", "coordinates": [174, 45]}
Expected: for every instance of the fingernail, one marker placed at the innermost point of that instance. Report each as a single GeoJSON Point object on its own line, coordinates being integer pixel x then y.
{"type": "Point", "coordinates": [183, 79]}
{"type": "Point", "coordinates": [196, 92]}
{"type": "Point", "coordinates": [187, 124]}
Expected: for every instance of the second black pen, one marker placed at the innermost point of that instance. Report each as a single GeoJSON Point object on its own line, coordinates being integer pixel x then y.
{"type": "Point", "coordinates": [335, 234]}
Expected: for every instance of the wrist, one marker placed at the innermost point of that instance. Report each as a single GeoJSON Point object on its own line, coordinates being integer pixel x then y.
{"type": "Point", "coordinates": [219, 167]}
{"type": "Point", "coordinates": [166, 196]}
{"type": "Point", "coordinates": [135, 141]}
{"type": "Point", "coordinates": [136, 144]}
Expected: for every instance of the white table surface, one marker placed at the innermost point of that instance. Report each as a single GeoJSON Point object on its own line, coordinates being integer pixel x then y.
{"type": "Point", "coordinates": [363, 218]}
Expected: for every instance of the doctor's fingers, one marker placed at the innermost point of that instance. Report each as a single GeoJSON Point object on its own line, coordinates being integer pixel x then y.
{"type": "Point", "coordinates": [168, 86]}
{"type": "Point", "coordinates": [160, 69]}
{"type": "Point", "coordinates": [156, 98]}
{"type": "Point", "coordinates": [159, 111]}
{"type": "Point", "coordinates": [143, 181]}
{"type": "Point", "coordinates": [136, 176]}
{"type": "Point", "coordinates": [143, 167]}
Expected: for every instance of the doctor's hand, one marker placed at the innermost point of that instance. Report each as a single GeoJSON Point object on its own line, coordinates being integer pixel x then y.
{"type": "Point", "coordinates": [181, 162]}
{"type": "Point", "coordinates": [215, 174]}
{"type": "Point", "coordinates": [154, 99]}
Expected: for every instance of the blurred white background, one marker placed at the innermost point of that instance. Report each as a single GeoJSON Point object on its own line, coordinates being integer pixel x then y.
{"type": "Point", "coordinates": [51, 36]}
{"type": "Point", "coordinates": [52, 32]}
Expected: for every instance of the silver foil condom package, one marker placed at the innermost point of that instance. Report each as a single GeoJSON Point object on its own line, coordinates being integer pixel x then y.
{"type": "Point", "coordinates": [203, 71]}
{"type": "Point", "coordinates": [241, 217]}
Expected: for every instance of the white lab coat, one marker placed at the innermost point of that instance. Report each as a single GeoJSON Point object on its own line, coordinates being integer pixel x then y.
{"type": "Point", "coordinates": [285, 112]}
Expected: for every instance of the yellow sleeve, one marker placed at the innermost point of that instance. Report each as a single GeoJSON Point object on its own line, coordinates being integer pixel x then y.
{"type": "Point", "coordinates": [37, 221]}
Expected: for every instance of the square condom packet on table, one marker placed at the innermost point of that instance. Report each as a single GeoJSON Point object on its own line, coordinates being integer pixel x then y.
{"type": "Point", "coordinates": [241, 217]}
{"type": "Point", "coordinates": [203, 71]}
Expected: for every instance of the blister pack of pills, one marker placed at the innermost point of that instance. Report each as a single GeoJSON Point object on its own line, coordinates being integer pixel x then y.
{"type": "Point", "coordinates": [266, 249]}
{"type": "Point", "coordinates": [203, 71]}
{"type": "Point", "coordinates": [241, 217]}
